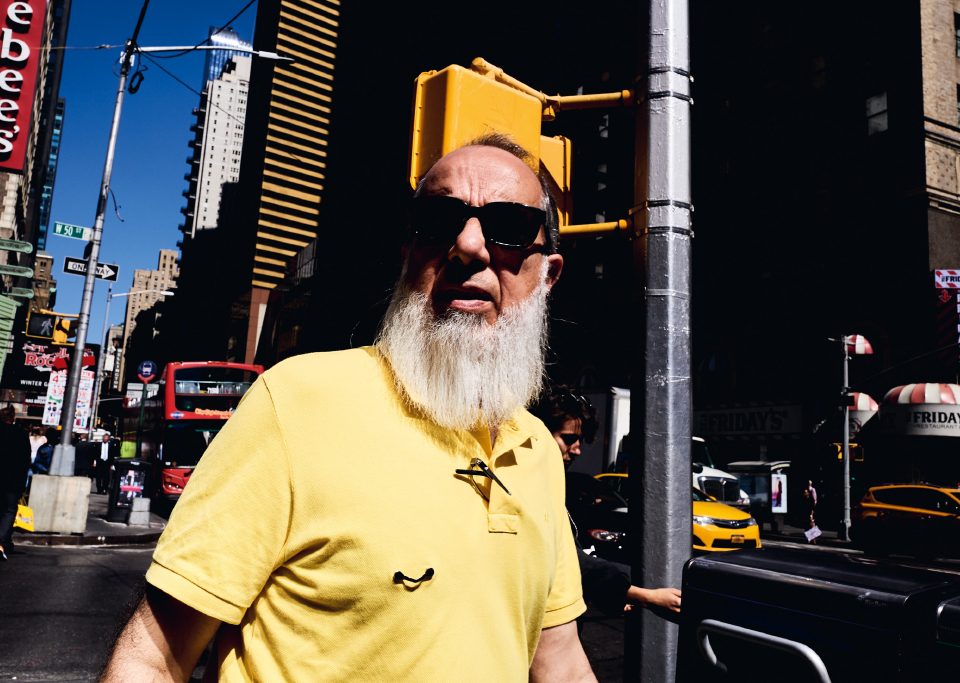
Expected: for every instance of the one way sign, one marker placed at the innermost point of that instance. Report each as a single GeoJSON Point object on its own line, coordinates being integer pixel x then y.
{"type": "Point", "coordinates": [105, 271]}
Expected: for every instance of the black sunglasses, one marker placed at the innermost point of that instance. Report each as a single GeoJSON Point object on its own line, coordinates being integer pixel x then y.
{"type": "Point", "coordinates": [570, 438]}
{"type": "Point", "coordinates": [438, 219]}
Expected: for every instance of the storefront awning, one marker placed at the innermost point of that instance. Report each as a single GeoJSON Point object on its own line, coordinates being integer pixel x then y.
{"type": "Point", "coordinates": [923, 409]}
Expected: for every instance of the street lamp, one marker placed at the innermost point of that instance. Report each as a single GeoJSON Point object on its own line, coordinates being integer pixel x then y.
{"type": "Point", "coordinates": [853, 345]}
{"type": "Point", "coordinates": [98, 378]}
{"type": "Point", "coordinates": [63, 454]}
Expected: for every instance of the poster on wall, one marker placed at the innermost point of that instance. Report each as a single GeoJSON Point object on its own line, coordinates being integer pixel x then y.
{"type": "Point", "coordinates": [53, 406]}
{"type": "Point", "coordinates": [778, 493]}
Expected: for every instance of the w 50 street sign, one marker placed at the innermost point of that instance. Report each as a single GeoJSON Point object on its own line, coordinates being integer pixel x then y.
{"type": "Point", "coordinates": [77, 232]}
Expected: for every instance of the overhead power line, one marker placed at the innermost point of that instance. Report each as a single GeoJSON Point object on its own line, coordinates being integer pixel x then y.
{"type": "Point", "coordinates": [207, 39]}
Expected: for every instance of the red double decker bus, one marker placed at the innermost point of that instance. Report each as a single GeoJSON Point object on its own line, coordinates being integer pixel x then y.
{"type": "Point", "coordinates": [174, 427]}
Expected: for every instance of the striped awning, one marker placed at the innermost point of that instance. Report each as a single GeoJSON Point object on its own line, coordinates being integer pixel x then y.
{"type": "Point", "coordinates": [857, 345]}
{"type": "Point", "coordinates": [922, 409]}
{"type": "Point", "coordinates": [863, 402]}
{"type": "Point", "coordinates": [927, 393]}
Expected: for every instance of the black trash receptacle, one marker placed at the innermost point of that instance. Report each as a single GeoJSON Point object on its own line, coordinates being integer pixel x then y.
{"type": "Point", "coordinates": [798, 615]}
{"type": "Point", "coordinates": [129, 480]}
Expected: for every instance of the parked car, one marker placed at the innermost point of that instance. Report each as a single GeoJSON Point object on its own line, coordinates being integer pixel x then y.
{"type": "Point", "coordinates": [917, 519]}
{"type": "Point", "coordinates": [599, 510]}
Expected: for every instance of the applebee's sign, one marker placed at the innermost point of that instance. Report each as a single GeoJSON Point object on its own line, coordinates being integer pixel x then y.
{"type": "Point", "coordinates": [21, 31]}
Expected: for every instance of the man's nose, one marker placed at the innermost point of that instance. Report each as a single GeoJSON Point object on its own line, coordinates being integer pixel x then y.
{"type": "Point", "coordinates": [470, 244]}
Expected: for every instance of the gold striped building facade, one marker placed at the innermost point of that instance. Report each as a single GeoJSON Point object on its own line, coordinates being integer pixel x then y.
{"type": "Point", "coordinates": [296, 137]}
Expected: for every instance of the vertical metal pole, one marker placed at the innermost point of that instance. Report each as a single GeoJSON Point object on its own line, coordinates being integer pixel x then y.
{"type": "Point", "coordinates": [64, 452]}
{"type": "Point", "coordinates": [662, 414]}
{"type": "Point", "coordinates": [98, 380]}
{"type": "Point", "coordinates": [845, 526]}
{"type": "Point", "coordinates": [143, 403]}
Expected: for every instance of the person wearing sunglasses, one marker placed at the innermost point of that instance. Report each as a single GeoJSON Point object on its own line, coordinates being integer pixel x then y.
{"type": "Point", "coordinates": [424, 536]}
{"type": "Point", "coordinates": [572, 419]}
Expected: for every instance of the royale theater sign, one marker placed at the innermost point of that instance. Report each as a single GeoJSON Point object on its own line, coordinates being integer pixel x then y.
{"type": "Point", "coordinates": [21, 34]}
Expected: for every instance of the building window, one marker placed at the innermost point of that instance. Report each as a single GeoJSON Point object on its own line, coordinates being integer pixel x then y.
{"type": "Point", "coordinates": [876, 110]}
{"type": "Point", "coordinates": [956, 30]}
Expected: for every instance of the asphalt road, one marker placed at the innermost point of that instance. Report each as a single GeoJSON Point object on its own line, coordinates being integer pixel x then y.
{"type": "Point", "coordinates": [59, 608]}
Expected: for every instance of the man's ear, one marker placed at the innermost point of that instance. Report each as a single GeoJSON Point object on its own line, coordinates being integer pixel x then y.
{"type": "Point", "coordinates": [554, 268]}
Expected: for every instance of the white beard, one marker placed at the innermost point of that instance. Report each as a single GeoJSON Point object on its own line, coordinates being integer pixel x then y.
{"type": "Point", "coordinates": [459, 370]}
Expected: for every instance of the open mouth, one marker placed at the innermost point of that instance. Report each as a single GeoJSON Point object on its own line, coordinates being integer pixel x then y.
{"type": "Point", "coordinates": [463, 294]}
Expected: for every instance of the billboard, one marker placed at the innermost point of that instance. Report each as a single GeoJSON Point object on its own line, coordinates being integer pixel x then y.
{"type": "Point", "coordinates": [21, 37]}
{"type": "Point", "coordinates": [30, 363]}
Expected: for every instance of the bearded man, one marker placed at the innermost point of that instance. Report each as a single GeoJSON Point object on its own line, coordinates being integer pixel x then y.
{"type": "Point", "coordinates": [424, 538]}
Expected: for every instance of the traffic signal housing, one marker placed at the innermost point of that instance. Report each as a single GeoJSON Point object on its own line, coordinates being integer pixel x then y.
{"type": "Point", "coordinates": [56, 328]}
{"type": "Point", "coordinates": [456, 105]}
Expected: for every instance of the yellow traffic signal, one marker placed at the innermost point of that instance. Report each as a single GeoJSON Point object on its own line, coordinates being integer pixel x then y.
{"type": "Point", "coordinates": [456, 105]}
{"type": "Point", "coordinates": [65, 330]}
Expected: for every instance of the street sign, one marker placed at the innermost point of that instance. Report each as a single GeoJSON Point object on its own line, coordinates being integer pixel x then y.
{"type": "Point", "coordinates": [19, 271]}
{"type": "Point", "coordinates": [147, 371]}
{"type": "Point", "coordinates": [77, 232]}
{"type": "Point", "coordinates": [16, 245]}
{"type": "Point", "coordinates": [22, 292]}
{"type": "Point", "coordinates": [105, 271]}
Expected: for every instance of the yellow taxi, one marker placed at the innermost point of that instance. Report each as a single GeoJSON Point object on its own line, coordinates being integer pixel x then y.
{"type": "Point", "coordinates": [717, 527]}
{"type": "Point", "coordinates": [922, 519]}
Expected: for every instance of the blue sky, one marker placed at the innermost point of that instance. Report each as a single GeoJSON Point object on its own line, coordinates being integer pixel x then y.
{"type": "Point", "coordinates": [152, 145]}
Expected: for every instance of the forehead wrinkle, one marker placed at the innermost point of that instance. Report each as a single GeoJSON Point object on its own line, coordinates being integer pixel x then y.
{"type": "Point", "coordinates": [481, 181]}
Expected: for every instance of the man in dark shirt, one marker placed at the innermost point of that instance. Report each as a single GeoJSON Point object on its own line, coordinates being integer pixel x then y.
{"type": "Point", "coordinates": [571, 419]}
{"type": "Point", "coordinates": [14, 463]}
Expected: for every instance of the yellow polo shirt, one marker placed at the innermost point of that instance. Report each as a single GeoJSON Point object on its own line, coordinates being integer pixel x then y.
{"type": "Point", "coordinates": [321, 488]}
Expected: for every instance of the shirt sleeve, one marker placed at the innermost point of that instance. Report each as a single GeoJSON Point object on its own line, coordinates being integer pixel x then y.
{"type": "Point", "coordinates": [227, 531]}
{"type": "Point", "coordinates": [565, 602]}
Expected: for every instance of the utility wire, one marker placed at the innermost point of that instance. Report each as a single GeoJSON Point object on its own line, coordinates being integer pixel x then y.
{"type": "Point", "coordinates": [198, 93]}
{"type": "Point", "coordinates": [207, 39]}
{"type": "Point", "coordinates": [50, 48]}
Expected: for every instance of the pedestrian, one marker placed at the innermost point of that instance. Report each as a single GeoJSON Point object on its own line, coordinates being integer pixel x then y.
{"type": "Point", "coordinates": [14, 464]}
{"type": "Point", "coordinates": [390, 512]}
{"type": "Point", "coordinates": [45, 453]}
{"type": "Point", "coordinates": [810, 502]}
{"type": "Point", "coordinates": [37, 439]}
{"type": "Point", "coordinates": [103, 463]}
{"type": "Point", "coordinates": [571, 418]}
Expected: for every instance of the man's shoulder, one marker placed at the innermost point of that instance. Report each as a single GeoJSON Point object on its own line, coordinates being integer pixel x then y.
{"type": "Point", "coordinates": [327, 363]}
{"type": "Point", "coordinates": [328, 371]}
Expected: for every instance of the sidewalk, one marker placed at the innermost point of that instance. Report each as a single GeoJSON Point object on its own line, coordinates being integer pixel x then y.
{"type": "Point", "coordinates": [795, 534]}
{"type": "Point", "coordinates": [99, 531]}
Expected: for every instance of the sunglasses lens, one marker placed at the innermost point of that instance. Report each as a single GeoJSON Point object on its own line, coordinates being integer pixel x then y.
{"type": "Point", "coordinates": [511, 225]}
{"type": "Point", "coordinates": [437, 219]}
{"type": "Point", "coordinates": [569, 438]}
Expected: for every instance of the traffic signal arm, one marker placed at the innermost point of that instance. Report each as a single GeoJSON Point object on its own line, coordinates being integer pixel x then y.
{"type": "Point", "coordinates": [593, 228]}
{"type": "Point", "coordinates": [554, 103]}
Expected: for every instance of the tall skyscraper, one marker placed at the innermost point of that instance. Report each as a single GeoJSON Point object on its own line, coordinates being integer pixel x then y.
{"type": "Point", "coordinates": [285, 155]}
{"type": "Point", "coordinates": [217, 144]}
{"type": "Point", "coordinates": [53, 158]}
{"type": "Point", "coordinates": [147, 290]}
{"type": "Point", "coordinates": [217, 59]}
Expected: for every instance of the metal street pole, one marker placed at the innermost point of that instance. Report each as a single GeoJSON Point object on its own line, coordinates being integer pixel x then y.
{"type": "Point", "coordinates": [98, 379]}
{"type": "Point", "coordinates": [64, 452]}
{"type": "Point", "coordinates": [143, 403]}
{"type": "Point", "coordinates": [661, 416]}
{"type": "Point", "coordinates": [845, 526]}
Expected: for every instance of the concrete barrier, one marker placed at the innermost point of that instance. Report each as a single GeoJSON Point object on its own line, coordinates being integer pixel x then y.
{"type": "Point", "coordinates": [139, 512]}
{"type": "Point", "coordinates": [59, 503]}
